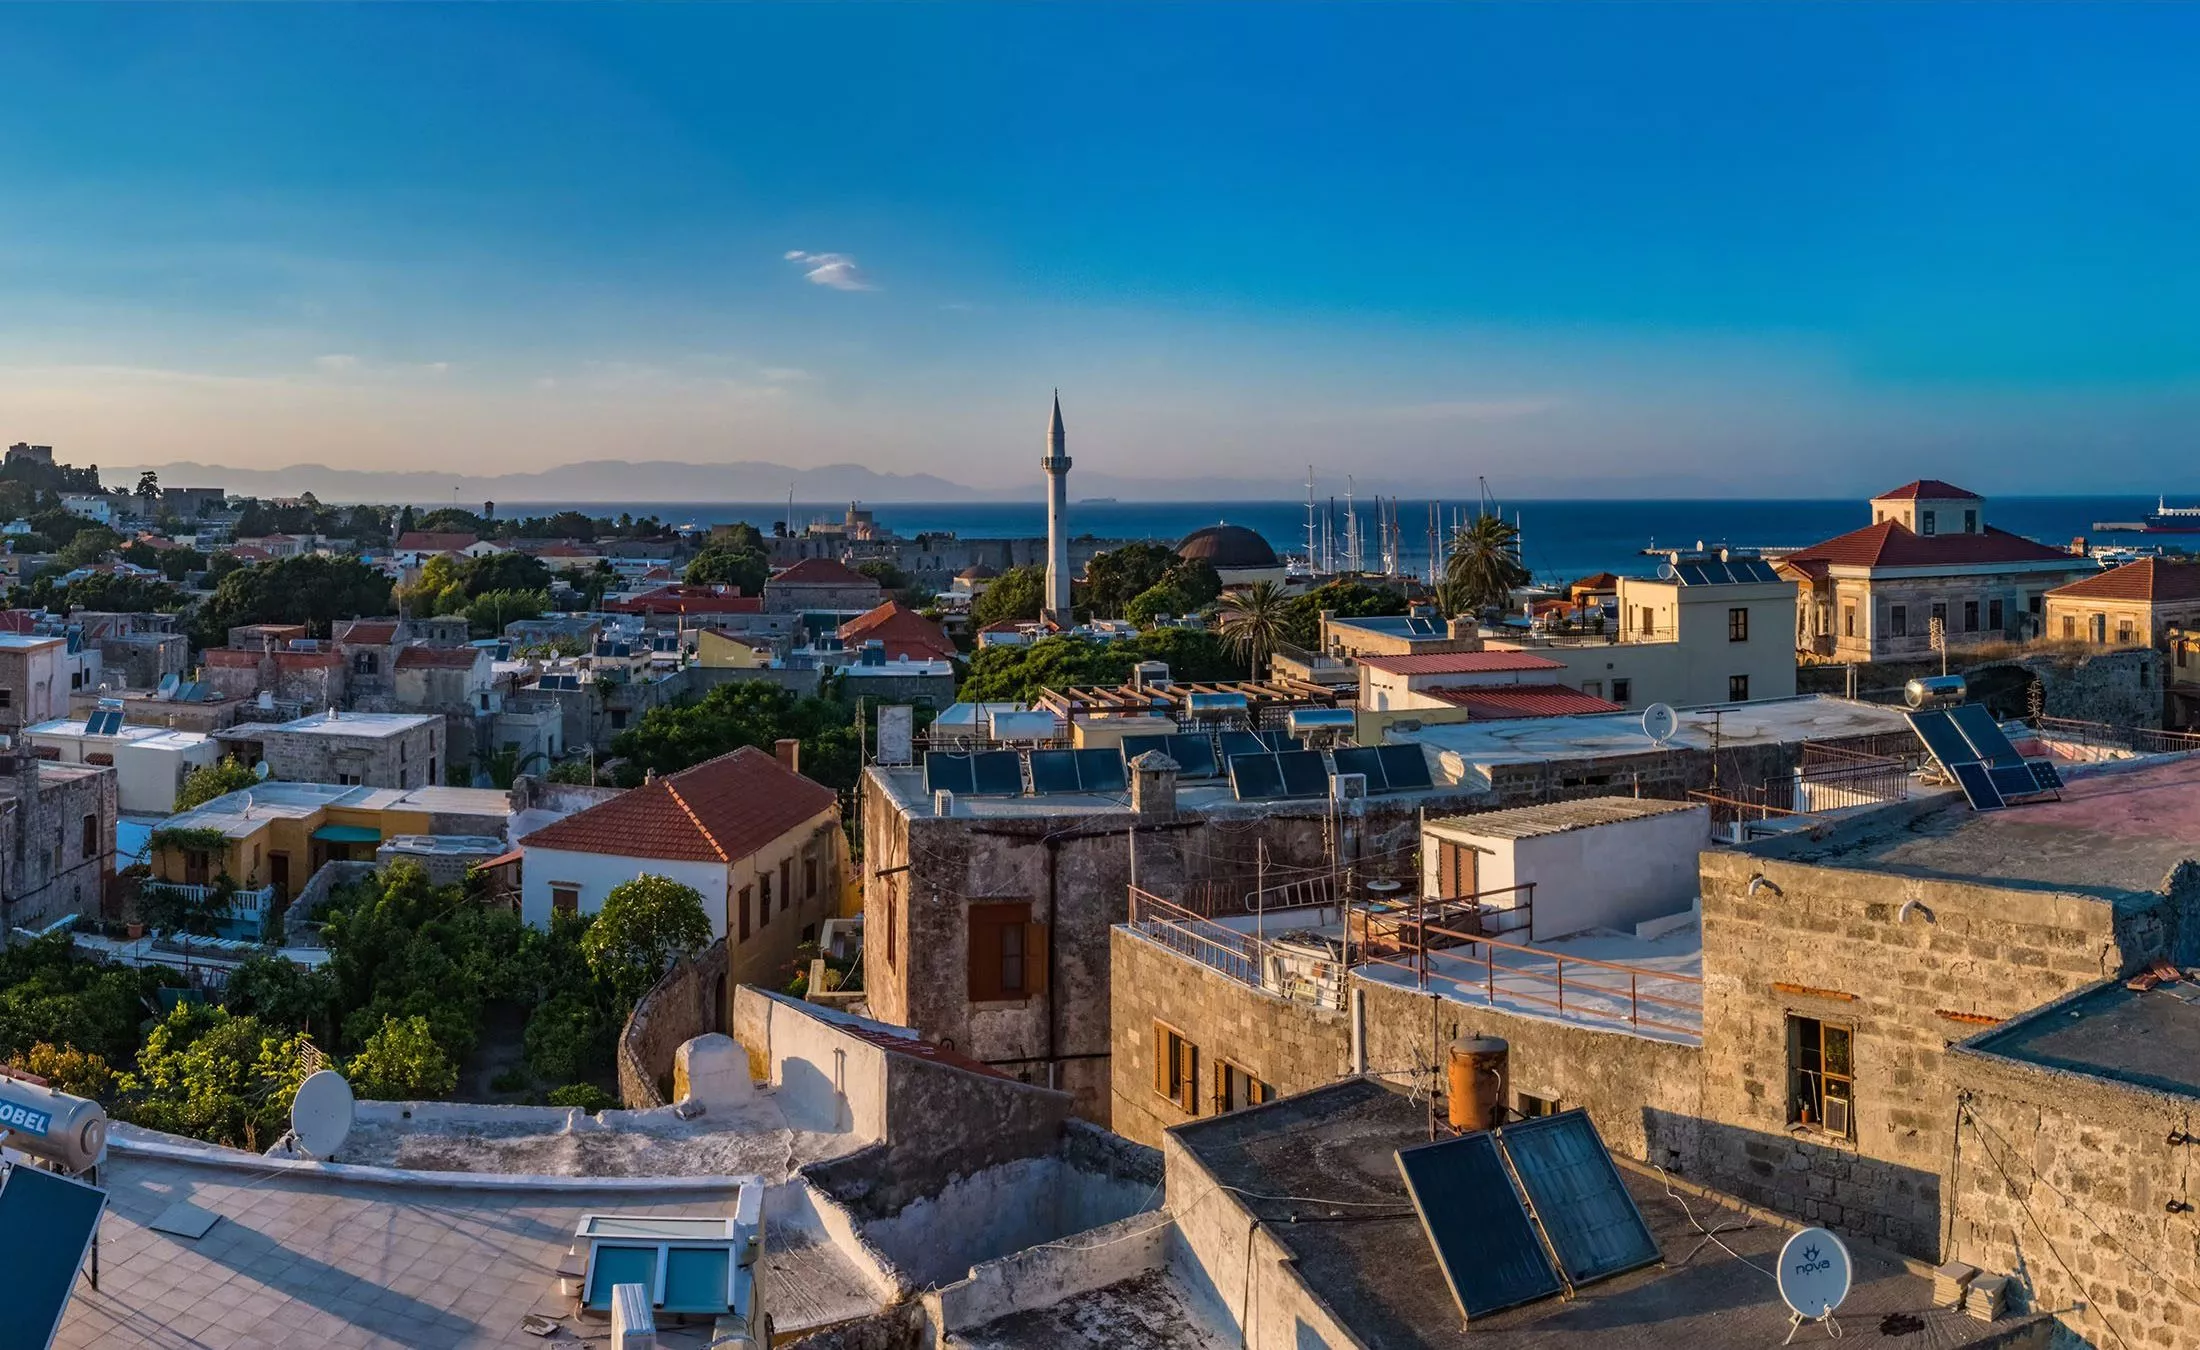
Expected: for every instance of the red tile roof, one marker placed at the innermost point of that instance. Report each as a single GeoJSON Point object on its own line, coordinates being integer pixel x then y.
{"type": "Point", "coordinates": [2150, 580]}
{"type": "Point", "coordinates": [1524, 700]}
{"type": "Point", "coordinates": [429, 541]}
{"type": "Point", "coordinates": [249, 552]}
{"type": "Point", "coordinates": [904, 632]}
{"type": "Point", "coordinates": [369, 632]}
{"type": "Point", "coordinates": [688, 600]}
{"type": "Point", "coordinates": [438, 658]}
{"type": "Point", "coordinates": [1924, 490]}
{"type": "Point", "coordinates": [1597, 581]}
{"type": "Point", "coordinates": [1891, 544]}
{"type": "Point", "coordinates": [720, 810]}
{"type": "Point", "coordinates": [1460, 663]}
{"type": "Point", "coordinates": [820, 572]}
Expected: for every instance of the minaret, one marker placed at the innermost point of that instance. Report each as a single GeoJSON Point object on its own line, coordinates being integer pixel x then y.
{"type": "Point", "coordinates": [1056, 465]}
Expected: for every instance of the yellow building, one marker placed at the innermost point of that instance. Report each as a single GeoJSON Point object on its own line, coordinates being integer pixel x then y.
{"type": "Point", "coordinates": [278, 834]}
{"type": "Point", "coordinates": [719, 650]}
{"type": "Point", "coordinates": [2135, 605]}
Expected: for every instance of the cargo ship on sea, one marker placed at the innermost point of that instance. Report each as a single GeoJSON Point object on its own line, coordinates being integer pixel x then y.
{"type": "Point", "coordinates": [2166, 519]}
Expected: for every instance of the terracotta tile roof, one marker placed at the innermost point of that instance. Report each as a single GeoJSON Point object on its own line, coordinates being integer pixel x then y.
{"type": "Point", "coordinates": [1597, 581]}
{"type": "Point", "coordinates": [429, 541]}
{"type": "Point", "coordinates": [688, 600]}
{"type": "Point", "coordinates": [369, 632]}
{"type": "Point", "coordinates": [1460, 663]}
{"type": "Point", "coordinates": [438, 658]}
{"type": "Point", "coordinates": [921, 1049]}
{"type": "Point", "coordinates": [1924, 490]}
{"type": "Point", "coordinates": [820, 572]}
{"type": "Point", "coordinates": [1891, 544]}
{"type": "Point", "coordinates": [2152, 581]}
{"type": "Point", "coordinates": [1524, 700]}
{"type": "Point", "coordinates": [559, 550]}
{"type": "Point", "coordinates": [903, 631]}
{"type": "Point", "coordinates": [720, 810]}
{"type": "Point", "coordinates": [249, 552]}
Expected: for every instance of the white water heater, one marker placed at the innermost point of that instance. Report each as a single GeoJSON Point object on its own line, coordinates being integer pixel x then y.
{"type": "Point", "coordinates": [71, 1131]}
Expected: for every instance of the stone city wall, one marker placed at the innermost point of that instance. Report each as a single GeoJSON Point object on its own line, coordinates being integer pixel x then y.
{"type": "Point", "coordinates": [681, 1006]}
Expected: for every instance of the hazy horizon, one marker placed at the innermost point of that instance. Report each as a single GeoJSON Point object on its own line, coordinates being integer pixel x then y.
{"type": "Point", "coordinates": [1796, 251]}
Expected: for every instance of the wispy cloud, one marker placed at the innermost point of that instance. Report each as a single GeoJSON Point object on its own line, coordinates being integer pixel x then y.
{"type": "Point", "coordinates": [336, 363]}
{"type": "Point", "coordinates": [836, 270]}
{"type": "Point", "coordinates": [1462, 410]}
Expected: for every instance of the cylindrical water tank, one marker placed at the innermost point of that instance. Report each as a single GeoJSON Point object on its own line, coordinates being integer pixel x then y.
{"type": "Point", "coordinates": [1934, 691]}
{"type": "Point", "coordinates": [70, 1130]}
{"type": "Point", "coordinates": [1478, 1074]}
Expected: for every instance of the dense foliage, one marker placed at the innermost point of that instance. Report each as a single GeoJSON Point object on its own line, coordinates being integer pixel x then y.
{"type": "Point", "coordinates": [1348, 599]}
{"type": "Point", "coordinates": [1483, 565]}
{"type": "Point", "coordinates": [209, 781]}
{"type": "Point", "coordinates": [1017, 593]}
{"type": "Point", "coordinates": [215, 1075]}
{"type": "Point", "coordinates": [643, 925]}
{"type": "Point", "coordinates": [309, 589]}
{"type": "Point", "coordinates": [46, 995]}
{"type": "Point", "coordinates": [1020, 674]}
{"type": "Point", "coordinates": [401, 1062]}
{"type": "Point", "coordinates": [750, 712]}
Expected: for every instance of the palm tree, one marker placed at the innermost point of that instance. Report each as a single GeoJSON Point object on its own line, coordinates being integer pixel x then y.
{"type": "Point", "coordinates": [1484, 565]}
{"type": "Point", "coordinates": [1253, 620]}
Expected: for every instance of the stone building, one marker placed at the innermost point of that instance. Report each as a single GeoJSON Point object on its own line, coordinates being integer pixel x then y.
{"type": "Point", "coordinates": [1872, 594]}
{"type": "Point", "coordinates": [57, 840]}
{"type": "Point", "coordinates": [820, 586]}
{"type": "Point", "coordinates": [398, 750]}
{"type": "Point", "coordinates": [2135, 605]}
{"type": "Point", "coordinates": [1792, 1046]}
{"type": "Point", "coordinates": [34, 680]}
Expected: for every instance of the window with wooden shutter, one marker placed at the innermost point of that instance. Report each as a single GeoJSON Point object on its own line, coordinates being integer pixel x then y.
{"type": "Point", "coordinates": [1236, 1088]}
{"type": "Point", "coordinates": [1458, 868]}
{"type": "Point", "coordinates": [786, 882]}
{"type": "Point", "coordinates": [1176, 1067]}
{"type": "Point", "coordinates": [1007, 952]}
{"type": "Point", "coordinates": [747, 894]}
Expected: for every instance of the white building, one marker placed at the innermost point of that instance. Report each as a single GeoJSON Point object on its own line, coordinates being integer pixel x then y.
{"type": "Point", "coordinates": [149, 762]}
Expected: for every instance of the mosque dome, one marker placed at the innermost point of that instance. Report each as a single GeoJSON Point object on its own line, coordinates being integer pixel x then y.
{"type": "Point", "coordinates": [1226, 548]}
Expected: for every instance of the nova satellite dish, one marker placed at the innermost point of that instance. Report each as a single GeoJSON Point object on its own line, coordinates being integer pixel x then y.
{"type": "Point", "coordinates": [259, 770]}
{"type": "Point", "coordinates": [321, 1113]}
{"type": "Point", "coordinates": [1814, 1277]}
{"type": "Point", "coordinates": [1659, 722]}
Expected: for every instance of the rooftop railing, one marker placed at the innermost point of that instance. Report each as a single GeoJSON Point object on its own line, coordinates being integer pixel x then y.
{"type": "Point", "coordinates": [1286, 969]}
{"type": "Point", "coordinates": [2138, 740]}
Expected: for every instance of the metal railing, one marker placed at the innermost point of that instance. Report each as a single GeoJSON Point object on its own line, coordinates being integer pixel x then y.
{"type": "Point", "coordinates": [1292, 973]}
{"type": "Point", "coordinates": [243, 904]}
{"type": "Point", "coordinates": [1535, 976]}
{"type": "Point", "coordinates": [2138, 740]}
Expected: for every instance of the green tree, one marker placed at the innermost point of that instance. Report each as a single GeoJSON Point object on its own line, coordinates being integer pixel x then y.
{"type": "Point", "coordinates": [1483, 567]}
{"type": "Point", "coordinates": [80, 1073]}
{"type": "Point", "coordinates": [177, 564]}
{"type": "Point", "coordinates": [106, 591]}
{"type": "Point", "coordinates": [211, 1075]}
{"type": "Point", "coordinates": [282, 994]}
{"type": "Point", "coordinates": [87, 546]}
{"type": "Point", "coordinates": [568, 1037]}
{"type": "Point", "coordinates": [209, 781]}
{"type": "Point", "coordinates": [488, 613]}
{"type": "Point", "coordinates": [644, 923]}
{"type": "Point", "coordinates": [587, 1096]}
{"type": "Point", "coordinates": [402, 1062]}
{"type": "Point", "coordinates": [148, 493]}
{"type": "Point", "coordinates": [1252, 621]}
{"type": "Point", "coordinates": [453, 520]}
{"type": "Point", "coordinates": [50, 994]}
{"type": "Point", "coordinates": [1018, 593]}
{"type": "Point", "coordinates": [511, 571]}
{"type": "Point", "coordinates": [574, 771]}
{"type": "Point", "coordinates": [1021, 674]}
{"type": "Point", "coordinates": [309, 589]}
{"type": "Point", "coordinates": [750, 712]}
{"type": "Point", "coordinates": [173, 909]}
{"type": "Point", "coordinates": [722, 565]}
{"type": "Point", "coordinates": [1114, 578]}
{"type": "Point", "coordinates": [1346, 599]}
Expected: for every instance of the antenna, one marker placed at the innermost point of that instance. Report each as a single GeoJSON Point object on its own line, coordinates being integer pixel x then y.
{"type": "Point", "coordinates": [1814, 1278]}
{"type": "Point", "coordinates": [321, 1113]}
{"type": "Point", "coordinates": [1659, 722]}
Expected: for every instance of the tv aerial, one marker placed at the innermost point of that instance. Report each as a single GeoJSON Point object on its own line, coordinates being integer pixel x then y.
{"type": "Point", "coordinates": [321, 1114]}
{"type": "Point", "coordinates": [1659, 722]}
{"type": "Point", "coordinates": [1814, 1279]}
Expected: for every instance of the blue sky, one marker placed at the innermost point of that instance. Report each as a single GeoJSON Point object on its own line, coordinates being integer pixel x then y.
{"type": "Point", "coordinates": [1775, 249]}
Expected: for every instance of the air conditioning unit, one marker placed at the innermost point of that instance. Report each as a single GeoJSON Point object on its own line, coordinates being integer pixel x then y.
{"type": "Point", "coordinates": [943, 803]}
{"type": "Point", "coordinates": [1348, 787]}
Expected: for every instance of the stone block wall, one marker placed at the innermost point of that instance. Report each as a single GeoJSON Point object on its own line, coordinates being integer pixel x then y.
{"type": "Point", "coordinates": [2064, 1183]}
{"type": "Point", "coordinates": [685, 1004]}
{"type": "Point", "coordinates": [1833, 944]}
{"type": "Point", "coordinates": [1290, 1046]}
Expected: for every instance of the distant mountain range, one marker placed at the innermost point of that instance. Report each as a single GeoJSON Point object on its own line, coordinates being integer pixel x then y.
{"type": "Point", "coordinates": [620, 481]}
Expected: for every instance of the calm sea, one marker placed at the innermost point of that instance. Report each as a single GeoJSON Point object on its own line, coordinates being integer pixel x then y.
{"type": "Point", "coordinates": [1560, 539]}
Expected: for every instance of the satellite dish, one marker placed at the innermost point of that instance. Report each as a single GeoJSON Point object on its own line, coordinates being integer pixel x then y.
{"type": "Point", "coordinates": [321, 1114]}
{"type": "Point", "coordinates": [1659, 722]}
{"type": "Point", "coordinates": [259, 770]}
{"type": "Point", "coordinates": [1814, 1274]}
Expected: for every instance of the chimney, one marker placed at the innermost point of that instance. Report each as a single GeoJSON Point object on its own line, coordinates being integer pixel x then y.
{"type": "Point", "coordinates": [789, 752]}
{"type": "Point", "coordinates": [1465, 628]}
{"type": "Point", "coordinates": [1153, 784]}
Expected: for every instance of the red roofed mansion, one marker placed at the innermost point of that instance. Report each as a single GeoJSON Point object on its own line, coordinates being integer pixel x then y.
{"type": "Point", "coordinates": [1872, 594]}
{"type": "Point", "coordinates": [761, 842]}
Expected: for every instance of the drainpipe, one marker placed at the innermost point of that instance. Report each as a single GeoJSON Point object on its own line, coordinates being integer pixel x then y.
{"type": "Point", "coordinates": [1054, 947]}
